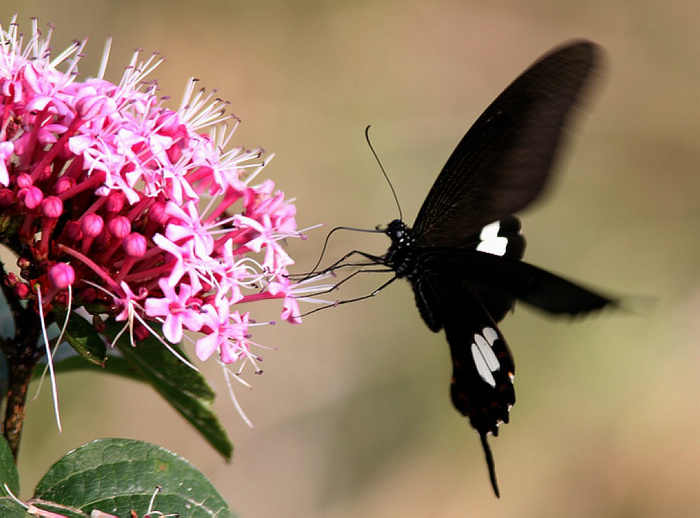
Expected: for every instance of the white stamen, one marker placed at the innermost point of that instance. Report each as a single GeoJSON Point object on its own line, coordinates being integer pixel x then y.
{"type": "Point", "coordinates": [130, 326]}
{"type": "Point", "coordinates": [105, 58]}
{"type": "Point", "coordinates": [239, 409]}
{"type": "Point", "coordinates": [153, 499]}
{"type": "Point", "coordinates": [49, 359]}
{"type": "Point", "coordinates": [58, 341]}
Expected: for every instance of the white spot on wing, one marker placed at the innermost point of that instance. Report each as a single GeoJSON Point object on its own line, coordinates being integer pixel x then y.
{"type": "Point", "coordinates": [481, 366]}
{"type": "Point", "coordinates": [491, 335]}
{"type": "Point", "coordinates": [484, 358]}
{"type": "Point", "coordinates": [491, 242]}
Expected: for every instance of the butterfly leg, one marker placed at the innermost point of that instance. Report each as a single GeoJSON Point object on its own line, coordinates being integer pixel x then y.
{"type": "Point", "coordinates": [354, 299]}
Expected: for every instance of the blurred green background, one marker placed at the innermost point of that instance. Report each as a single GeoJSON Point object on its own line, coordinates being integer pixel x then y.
{"type": "Point", "coordinates": [352, 413]}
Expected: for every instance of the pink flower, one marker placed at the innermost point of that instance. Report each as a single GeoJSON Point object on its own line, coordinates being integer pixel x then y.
{"type": "Point", "coordinates": [178, 309]}
{"type": "Point", "coordinates": [6, 150]}
{"type": "Point", "coordinates": [283, 289]}
{"type": "Point", "coordinates": [228, 334]}
{"type": "Point", "coordinates": [112, 194]}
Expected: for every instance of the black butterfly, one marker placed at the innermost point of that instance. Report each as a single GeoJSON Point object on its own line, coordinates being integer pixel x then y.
{"type": "Point", "coordinates": [463, 286]}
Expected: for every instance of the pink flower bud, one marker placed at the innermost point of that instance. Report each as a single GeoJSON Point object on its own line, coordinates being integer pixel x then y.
{"type": "Point", "coordinates": [115, 202]}
{"type": "Point", "coordinates": [52, 207]}
{"type": "Point", "coordinates": [119, 227]}
{"type": "Point", "coordinates": [135, 245]}
{"type": "Point", "coordinates": [92, 225]}
{"type": "Point", "coordinates": [63, 184]}
{"type": "Point", "coordinates": [158, 213]}
{"type": "Point", "coordinates": [24, 180]}
{"type": "Point", "coordinates": [6, 197]}
{"type": "Point", "coordinates": [31, 196]}
{"type": "Point", "coordinates": [62, 275]}
{"type": "Point", "coordinates": [22, 290]}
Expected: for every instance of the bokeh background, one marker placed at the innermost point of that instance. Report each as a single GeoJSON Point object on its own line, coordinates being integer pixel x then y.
{"type": "Point", "coordinates": [352, 413]}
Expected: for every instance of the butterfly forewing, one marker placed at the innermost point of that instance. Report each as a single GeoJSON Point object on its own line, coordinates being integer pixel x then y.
{"type": "Point", "coordinates": [503, 162]}
{"type": "Point", "coordinates": [502, 239]}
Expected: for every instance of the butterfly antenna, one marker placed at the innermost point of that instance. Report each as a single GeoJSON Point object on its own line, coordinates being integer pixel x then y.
{"type": "Point", "coordinates": [386, 176]}
{"type": "Point", "coordinates": [490, 463]}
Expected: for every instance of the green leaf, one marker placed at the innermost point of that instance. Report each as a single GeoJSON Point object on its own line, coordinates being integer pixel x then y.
{"type": "Point", "coordinates": [184, 388]}
{"type": "Point", "coordinates": [114, 364]}
{"type": "Point", "coordinates": [117, 476]}
{"type": "Point", "coordinates": [8, 470]}
{"type": "Point", "coordinates": [11, 509]}
{"type": "Point", "coordinates": [9, 479]}
{"type": "Point", "coordinates": [83, 337]}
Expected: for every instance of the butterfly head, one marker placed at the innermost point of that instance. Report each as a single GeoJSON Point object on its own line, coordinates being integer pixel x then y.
{"type": "Point", "coordinates": [399, 233]}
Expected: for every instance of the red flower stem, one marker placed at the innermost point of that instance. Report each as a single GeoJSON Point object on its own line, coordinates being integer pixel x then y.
{"type": "Point", "coordinates": [46, 159]}
{"type": "Point", "coordinates": [91, 264]}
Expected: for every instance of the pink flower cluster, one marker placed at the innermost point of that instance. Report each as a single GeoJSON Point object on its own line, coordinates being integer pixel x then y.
{"type": "Point", "coordinates": [125, 208]}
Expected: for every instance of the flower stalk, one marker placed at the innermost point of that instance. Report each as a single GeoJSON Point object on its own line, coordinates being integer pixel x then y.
{"type": "Point", "coordinates": [22, 355]}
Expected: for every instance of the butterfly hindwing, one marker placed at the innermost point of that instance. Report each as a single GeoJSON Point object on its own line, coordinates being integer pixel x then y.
{"type": "Point", "coordinates": [482, 373]}
{"type": "Point", "coordinates": [506, 277]}
{"type": "Point", "coordinates": [467, 291]}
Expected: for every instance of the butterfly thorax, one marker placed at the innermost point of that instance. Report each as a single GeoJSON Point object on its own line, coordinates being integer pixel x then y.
{"type": "Point", "coordinates": [400, 256]}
